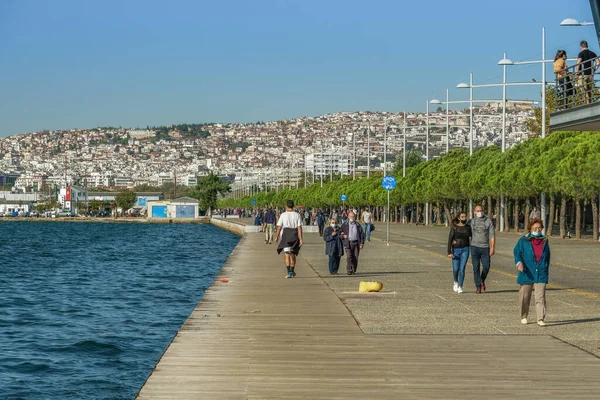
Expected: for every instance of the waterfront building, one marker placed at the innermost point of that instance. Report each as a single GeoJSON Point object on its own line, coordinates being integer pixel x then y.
{"type": "Point", "coordinates": [326, 163]}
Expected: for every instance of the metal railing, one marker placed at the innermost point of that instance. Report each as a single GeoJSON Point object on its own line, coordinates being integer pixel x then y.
{"type": "Point", "coordinates": [576, 85]}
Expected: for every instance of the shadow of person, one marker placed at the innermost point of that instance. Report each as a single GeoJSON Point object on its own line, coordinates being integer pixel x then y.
{"type": "Point", "coordinates": [573, 321]}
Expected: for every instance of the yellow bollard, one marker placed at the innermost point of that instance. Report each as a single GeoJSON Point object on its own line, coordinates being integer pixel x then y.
{"type": "Point", "coordinates": [370, 287]}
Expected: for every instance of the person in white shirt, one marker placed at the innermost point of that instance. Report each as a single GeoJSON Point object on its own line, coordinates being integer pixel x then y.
{"type": "Point", "coordinates": [289, 237]}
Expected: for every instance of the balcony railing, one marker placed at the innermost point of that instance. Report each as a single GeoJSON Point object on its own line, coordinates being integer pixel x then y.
{"type": "Point", "coordinates": [576, 86]}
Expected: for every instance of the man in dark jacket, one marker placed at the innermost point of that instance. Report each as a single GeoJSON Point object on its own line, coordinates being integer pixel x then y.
{"type": "Point", "coordinates": [354, 240]}
{"type": "Point", "coordinates": [320, 220]}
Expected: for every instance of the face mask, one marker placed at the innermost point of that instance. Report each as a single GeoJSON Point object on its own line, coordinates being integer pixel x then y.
{"type": "Point", "coordinates": [332, 225]}
{"type": "Point", "coordinates": [462, 221]}
{"type": "Point", "coordinates": [538, 234]}
{"type": "Point", "coordinates": [479, 214]}
{"type": "Point", "coordinates": [351, 220]}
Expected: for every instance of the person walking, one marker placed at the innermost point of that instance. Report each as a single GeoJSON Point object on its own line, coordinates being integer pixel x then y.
{"type": "Point", "coordinates": [269, 221]}
{"type": "Point", "coordinates": [354, 240]}
{"type": "Point", "coordinates": [334, 247]}
{"type": "Point", "coordinates": [483, 246]}
{"type": "Point", "coordinates": [289, 237]}
{"type": "Point", "coordinates": [586, 70]}
{"type": "Point", "coordinates": [306, 217]}
{"type": "Point", "coordinates": [535, 214]}
{"type": "Point", "coordinates": [532, 258]}
{"type": "Point", "coordinates": [366, 219]}
{"type": "Point", "coordinates": [320, 221]}
{"type": "Point", "coordinates": [459, 241]}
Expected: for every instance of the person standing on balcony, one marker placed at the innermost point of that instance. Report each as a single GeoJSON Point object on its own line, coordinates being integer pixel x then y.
{"type": "Point", "coordinates": [565, 87]}
{"type": "Point", "coordinates": [586, 70]}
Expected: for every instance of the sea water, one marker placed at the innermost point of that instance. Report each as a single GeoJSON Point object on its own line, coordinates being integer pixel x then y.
{"type": "Point", "coordinates": [87, 309]}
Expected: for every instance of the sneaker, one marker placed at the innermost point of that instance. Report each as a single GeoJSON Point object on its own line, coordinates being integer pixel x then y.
{"type": "Point", "coordinates": [482, 286]}
{"type": "Point", "coordinates": [478, 291]}
{"type": "Point", "coordinates": [524, 321]}
{"type": "Point", "coordinates": [289, 275]}
{"type": "Point", "coordinates": [455, 288]}
{"type": "Point", "coordinates": [293, 274]}
{"type": "Point", "coordinates": [542, 323]}
{"type": "Point", "coordinates": [459, 290]}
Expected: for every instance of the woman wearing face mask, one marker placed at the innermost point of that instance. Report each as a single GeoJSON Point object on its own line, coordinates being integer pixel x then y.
{"type": "Point", "coordinates": [459, 241]}
{"type": "Point", "coordinates": [532, 258]}
{"type": "Point", "coordinates": [334, 247]}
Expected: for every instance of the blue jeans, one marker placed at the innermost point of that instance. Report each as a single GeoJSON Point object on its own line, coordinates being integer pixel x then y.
{"type": "Point", "coordinates": [459, 262]}
{"type": "Point", "coordinates": [367, 230]}
{"type": "Point", "coordinates": [480, 255]}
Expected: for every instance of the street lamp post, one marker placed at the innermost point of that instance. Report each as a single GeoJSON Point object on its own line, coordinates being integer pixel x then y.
{"type": "Point", "coordinates": [404, 146]}
{"type": "Point", "coordinates": [427, 131]}
{"type": "Point", "coordinates": [369, 152]}
{"type": "Point", "coordinates": [543, 61]}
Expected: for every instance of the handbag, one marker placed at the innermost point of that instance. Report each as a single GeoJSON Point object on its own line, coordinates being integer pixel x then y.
{"type": "Point", "coordinates": [372, 227]}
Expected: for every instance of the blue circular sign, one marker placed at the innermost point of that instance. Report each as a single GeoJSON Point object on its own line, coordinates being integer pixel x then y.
{"type": "Point", "coordinates": [343, 197]}
{"type": "Point", "coordinates": [388, 182]}
{"type": "Point", "coordinates": [253, 201]}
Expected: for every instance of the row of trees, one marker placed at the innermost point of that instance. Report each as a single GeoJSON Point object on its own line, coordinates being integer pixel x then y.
{"type": "Point", "coordinates": [565, 166]}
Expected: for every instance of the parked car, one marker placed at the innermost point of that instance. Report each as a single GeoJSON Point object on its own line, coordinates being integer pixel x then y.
{"type": "Point", "coordinates": [65, 213]}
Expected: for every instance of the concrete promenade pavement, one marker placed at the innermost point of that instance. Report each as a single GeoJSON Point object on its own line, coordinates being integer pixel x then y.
{"type": "Point", "coordinates": [260, 336]}
{"type": "Point", "coordinates": [416, 272]}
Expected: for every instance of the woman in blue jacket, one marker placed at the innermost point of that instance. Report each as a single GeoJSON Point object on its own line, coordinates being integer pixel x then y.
{"type": "Point", "coordinates": [532, 257]}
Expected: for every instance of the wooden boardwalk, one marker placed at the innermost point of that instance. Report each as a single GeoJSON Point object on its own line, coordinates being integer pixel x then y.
{"type": "Point", "coordinates": [260, 336]}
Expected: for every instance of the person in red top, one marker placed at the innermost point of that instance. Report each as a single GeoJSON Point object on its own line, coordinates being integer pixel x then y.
{"type": "Point", "coordinates": [532, 258]}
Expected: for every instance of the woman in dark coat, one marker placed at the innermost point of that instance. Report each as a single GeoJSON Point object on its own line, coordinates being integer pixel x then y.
{"type": "Point", "coordinates": [333, 246]}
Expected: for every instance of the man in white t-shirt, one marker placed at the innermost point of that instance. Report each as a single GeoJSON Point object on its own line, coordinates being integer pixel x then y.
{"type": "Point", "coordinates": [289, 237]}
{"type": "Point", "coordinates": [366, 219]}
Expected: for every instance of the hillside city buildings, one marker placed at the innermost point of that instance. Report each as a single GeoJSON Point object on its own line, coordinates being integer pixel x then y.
{"type": "Point", "coordinates": [265, 154]}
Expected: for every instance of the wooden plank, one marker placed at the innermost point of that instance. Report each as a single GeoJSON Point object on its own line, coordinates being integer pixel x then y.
{"type": "Point", "coordinates": [260, 336]}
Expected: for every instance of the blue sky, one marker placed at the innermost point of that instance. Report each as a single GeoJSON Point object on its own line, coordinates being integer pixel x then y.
{"type": "Point", "coordinates": [79, 64]}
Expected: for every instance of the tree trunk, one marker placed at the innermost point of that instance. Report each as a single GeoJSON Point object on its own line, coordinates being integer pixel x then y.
{"type": "Point", "coordinates": [516, 215]}
{"type": "Point", "coordinates": [448, 215]}
{"type": "Point", "coordinates": [577, 218]}
{"type": "Point", "coordinates": [551, 207]}
{"type": "Point", "coordinates": [583, 214]}
{"type": "Point", "coordinates": [490, 210]}
{"type": "Point", "coordinates": [595, 217]}
{"type": "Point", "coordinates": [527, 211]}
{"type": "Point", "coordinates": [571, 216]}
{"type": "Point", "coordinates": [563, 216]}
{"type": "Point", "coordinates": [506, 216]}
{"type": "Point", "coordinates": [497, 208]}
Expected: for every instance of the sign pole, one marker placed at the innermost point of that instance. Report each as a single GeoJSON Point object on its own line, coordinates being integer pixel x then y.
{"type": "Point", "coordinates": [389, 183]}
{"type": "Point", "coordinates": [388, 217]}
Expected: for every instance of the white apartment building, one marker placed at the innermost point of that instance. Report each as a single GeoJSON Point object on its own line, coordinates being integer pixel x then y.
{"type": "Point", "coordinates": [326, 163]}
{"type": "Point", "coordinates": [30, 181]}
